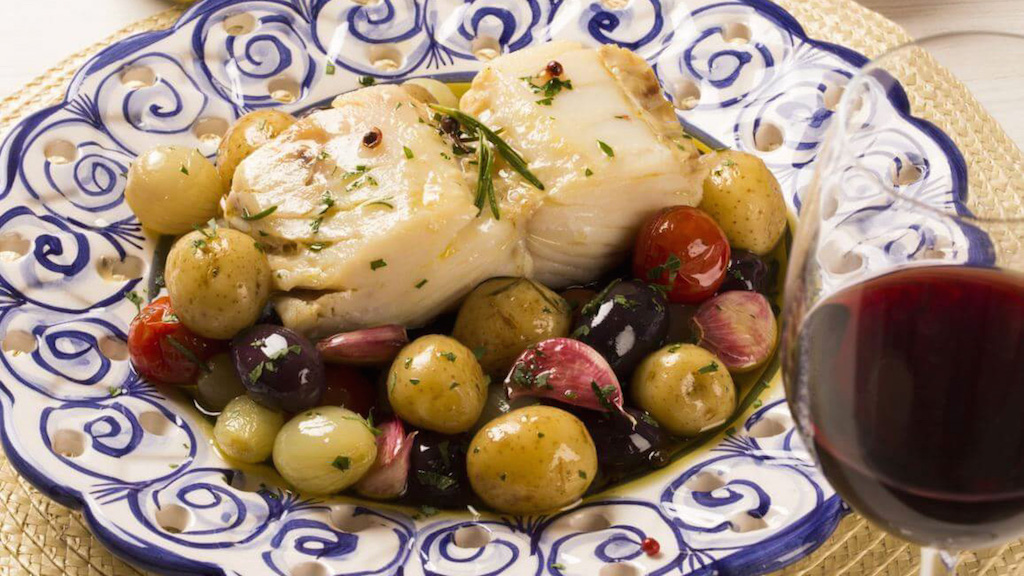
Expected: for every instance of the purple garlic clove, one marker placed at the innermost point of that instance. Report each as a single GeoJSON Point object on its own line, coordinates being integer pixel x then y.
{"type": "Point", "coordinates": [368, 347]}
{"type": "Point", "coordinates": [387, 477]}
{"type": "Point", "coordinates": [568, 371]}
{"type": "Point", "coordinates": [739, 328]}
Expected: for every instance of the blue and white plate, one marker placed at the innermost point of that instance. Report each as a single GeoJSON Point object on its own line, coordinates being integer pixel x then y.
{"type": "Point", "coordinates": [81, 426]}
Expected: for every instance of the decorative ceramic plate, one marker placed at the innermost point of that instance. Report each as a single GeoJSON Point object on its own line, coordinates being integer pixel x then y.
{"type": "Point", "coordinates": [82, 427]}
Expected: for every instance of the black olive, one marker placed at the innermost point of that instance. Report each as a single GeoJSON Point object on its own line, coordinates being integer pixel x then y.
{"type": "Point", "coordinates": [626, 446]}
{"type": "Point", "coordinates": [624, 323]}
{"type": "Point", "coordinates": [437, 470]}
{"type": "Point", "coordinates": [373, 138]}
{"type": "Point", "coordinates": [750, 273]}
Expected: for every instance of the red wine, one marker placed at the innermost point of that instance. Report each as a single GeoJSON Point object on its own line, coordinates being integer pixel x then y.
{"type": "Point", "coordinates": [914, 384]}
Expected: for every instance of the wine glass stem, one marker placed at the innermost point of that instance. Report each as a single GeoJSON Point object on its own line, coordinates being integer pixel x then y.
{"type": "Point", "coordinates": [937, 562]}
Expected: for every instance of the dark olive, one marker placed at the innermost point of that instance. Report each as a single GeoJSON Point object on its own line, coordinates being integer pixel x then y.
{"type": "Point", "coordinates": [681, 329]}
{"type": "Point", "coordinates": [279, 367]}
{"type": "Point", "coordinates": [749, 272]}
{"type": "Point", "coordinates": [437, 470]}
{"type": "Point", "coordinates": [577, 299]}
{"type": "Point", "coordinates": [625, 445]}
{"type": "Point", "coordinates": [624, 323]}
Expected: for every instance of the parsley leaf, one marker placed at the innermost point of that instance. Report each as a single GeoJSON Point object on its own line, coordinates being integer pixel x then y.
{"type": "Point", "coordinates": [259, 215]}
{"type": "Point", "coordinates": [342, 463]}
{"type": "Point", "coordinates": [606, 149]}
{"type": "Point", "coordinates": [379, 263]}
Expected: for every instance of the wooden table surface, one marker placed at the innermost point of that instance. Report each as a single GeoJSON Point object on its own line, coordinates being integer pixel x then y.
{"type": "Point", "coordinates": [36, 34]}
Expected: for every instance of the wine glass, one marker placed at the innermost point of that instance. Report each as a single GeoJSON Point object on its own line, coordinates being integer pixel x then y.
{"type": "Point", "coordinates": [903, 338]}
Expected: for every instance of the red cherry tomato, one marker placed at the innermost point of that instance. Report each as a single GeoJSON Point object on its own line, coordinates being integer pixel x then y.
{"type": "Point", "coordinates": [684, 250]}
{"type": "Point", "coordinates": [163, 350]}
{"type": "Point", "coordinates": [347, 386]}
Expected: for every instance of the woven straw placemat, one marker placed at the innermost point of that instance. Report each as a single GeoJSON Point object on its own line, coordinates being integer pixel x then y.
{"type": "Point", "coordinates": [39, 537]}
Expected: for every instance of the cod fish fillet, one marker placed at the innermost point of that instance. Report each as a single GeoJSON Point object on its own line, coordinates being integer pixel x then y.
{"type": "Point", "coordinates": [609, 150]}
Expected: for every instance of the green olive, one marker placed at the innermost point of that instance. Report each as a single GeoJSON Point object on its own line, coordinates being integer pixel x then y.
{"type": "Point", "coordinates": [324, 450]}
{"type": "Point", "coordinates": [531, 460]}
{"type": "Point", "coordinates": [218, 281]}
{"type": "Point", "coordinates": [685, 388]}
{"type": "Point", "coordinates": [171, 189]}
{"type": "Point", "coordinates": [220, 385]}
{"type": "Point", "coordinates": [436, 383]}
{"type": "Point", "coordinates": [245, 430]}
{"type": "Point", "coordinates": [504, 316]}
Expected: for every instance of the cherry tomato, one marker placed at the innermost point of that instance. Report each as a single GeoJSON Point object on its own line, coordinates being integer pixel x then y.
{"type": "Point", "coordinates": [347, 386]}
{"type": "Point", "coordinates": [163, 350]}
{"type": "Point", "coordinates": [683, 250]}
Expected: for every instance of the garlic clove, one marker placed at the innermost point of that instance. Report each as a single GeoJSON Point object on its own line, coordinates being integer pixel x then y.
{"type": "Point", "coordinates": [738, 327]}
{"type": "Point", "coordinates": [568, 371]}
{"type": "Point", "coordinates": [388, 476]}
{"type": "Point", "coordinates": [370, 346]}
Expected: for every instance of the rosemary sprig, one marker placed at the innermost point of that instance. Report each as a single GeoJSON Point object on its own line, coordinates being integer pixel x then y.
{"type": "Point", "coordinates": [484, 183]}
{"type": "Point", "coordinates": [507, 152]}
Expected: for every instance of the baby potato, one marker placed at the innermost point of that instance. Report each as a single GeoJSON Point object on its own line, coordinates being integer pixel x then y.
{"type": "Point", "coordinates": [531, 460]}
{"type": "Point", "coordinates": [324, 450]}
{"type": "Point", "coordinates": [218, 281]}
{"type": "Point", "coordinates": [436, 383]}
{"type": "Point", "coordinates": [685, 388]}
{"type": "Point", "coordinates": [744, 197]}
{"type": "Point", "coordinates": [171, 189]}
{"type": "Point", "coordinates": [246, 135]}
{"type": "Point", "coordinates": [504, 316]}
{"type": "Point", "coordinates": [245, 430]}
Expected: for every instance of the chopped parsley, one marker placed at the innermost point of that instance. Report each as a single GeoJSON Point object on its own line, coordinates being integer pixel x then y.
{"type": "Point", "coordinates": [503, 476]}
{"type": "Point", "coordinates": [449, 356]}
{"type": "Point", "coordinates": [327, 201]}
{"type": "Point", "coordinates": [582, 474]}
{"type": "Point", "coordinates": [428, 511]}
{"type": "Point", "coordinates": [317, 246]}
{"type": "Point", "coordinates": [583, 330]}
{"type": "Point", "coordinates": [625, 302]}
{"type": "Point", "coordinates": [134, 298]}
{"type": "Point", "coordinates": [453, 386]}
{"type": "Point", "coordinates": [439, 481]}
{"type": "Point", "coordinates": [115, 391]}
{"type": "Point", "coordinates": [549, 89]}
{"type": "Point", "coordinates": [183, 169]}
{"type": "Point", "coordinates": [367, 80]}
{"type": "Point", "coordinates": [329, 69]}
{"type": "Point", "coordinates": [383, 203]}
{"type": "Point", "coordinates": [558, 566]}
{"type": "Point", "coordinates": [259, 215]}
{"type": "Point", "coordinates": [571, 395]}
{"type": "Point", "coordinates": [758, 403]}
{"type": "Point", "coordinates": [674, 348]}
{"type": "Point", "coordinates": [188, 354]}
{"type": "Point", "coordinates": [713, 367]}
{"type": "Point", "coordinates": [342, 463]}
{"type": "Point", "coordinates": [421, 283]}
{"type": "Point", "coordinates": [414, 381]}
{"type": "Point", "coordinates": [408, 362]}
{"type": "Point", "coordinates": [588, 172]}
{"type": "Point", "coordinates": [408, 152]}
{"type": "Point", "coordinates": [671, 265]}
{"type": "Point", "coordinates": [647, 419]}
{"type": "Point", "coordinates": [479, 352]}
{"type": "Point", "coordinates": [606, 149]}
{"type": "Point", "coordinates": [268, 364]}
{"type": "Point", "coordinates": [604, 394]}
{"type": "Point", "coordinates": [540, 434]}
{"type": "Point", "coordinates": [314, 226]}
{"type": "Point", "coordinates": [379, 263]}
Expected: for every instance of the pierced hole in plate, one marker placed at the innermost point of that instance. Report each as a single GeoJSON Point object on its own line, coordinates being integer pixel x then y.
{"type": "Point", "coordinates": [113, 348]}
{"type": "Point", "coordinates": [386, 57]}
{"type": "Point", "coordinates": [114, 270]}
{"type": "Point", "coordinates": [839, 260]}
{"type": "Point", "coordinates": [13, 246]}
{"type": "Point", "coordinates": [60, 152]}
{"type": "Point", "coordinates": [686, 95]}
{"type": "Point", "coordinates": [744, 522]}
{"type": "Point", "coordinates": [832, 95]}
{"type": "Point", "coordinates": [486, 48]}
{"type": "Point", "coordinates": [589, 521]}
{"type": "Point", "coordinates": [155, 423]}
{"type": "Point", "coordinates": [343, 517]}
{"type": "Point", "coordinates": [472, 536]}
{"type": "Point", "coordinates": [69, 443]}
{"type": "Point", "coordinates": [240, 24]}
{"type": "Point", "coordinates": [366, 2]}
{"type": "Point", "coordinates": [615, 4]}
{"type": "Point", "coordinates": [829, 205]}
{"type": "Point", "coordinates": [905, 172]}
{"type": "Point", "coordinates": [174, 519]}
{"type": "Point", "coordinates": [768, 137]}
{"type": "Point", "coordinates": [19, 342]}
{"type": "Point", "coordinates": [136, 77]}
{"type": "Point", "coordinates": [621, 569]}
{"type": "Point", "coordinates": [705, 482]}
{"type": "Point", "coordinates": [283, 89]}
{"type": "Point", "coordinates": [209, 132]}
{"type": "Point", "coordinates": [309, 569]}
{"type": "Point", "coordinates": [767, 427]}
{"type": "Point", "coordinates": [736, 33]}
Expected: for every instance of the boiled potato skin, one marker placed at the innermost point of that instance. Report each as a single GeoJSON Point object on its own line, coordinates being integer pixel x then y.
{"type": "Point", "coordinates": [247, 134]}
{"type": "Point", "coordinates": [745, 199]}
{"type": "Point", "coordinates": [504, 316]}
{"type": "Point", "coordinates": [171, 189]}
{"type": "Point", "coordinates": [685, 388]}
{"type": "Point", "coordinates": [324, 450]}
{"type": "Point", "coordinates": [531, 460]}
{"type": "Point", "coordinates": [218, 281]}
{"type": "Point", "coordinates": [245, 431]}
{"type": "Point", "coordinates": [436, 383]}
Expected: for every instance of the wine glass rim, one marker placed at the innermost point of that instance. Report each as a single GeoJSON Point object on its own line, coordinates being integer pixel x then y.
{"type": "Point", "coordinates": [847, 102]}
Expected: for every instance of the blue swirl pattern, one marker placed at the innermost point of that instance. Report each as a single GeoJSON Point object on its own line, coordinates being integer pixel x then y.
{"type": "Point", "coordinates": [82, 426]}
